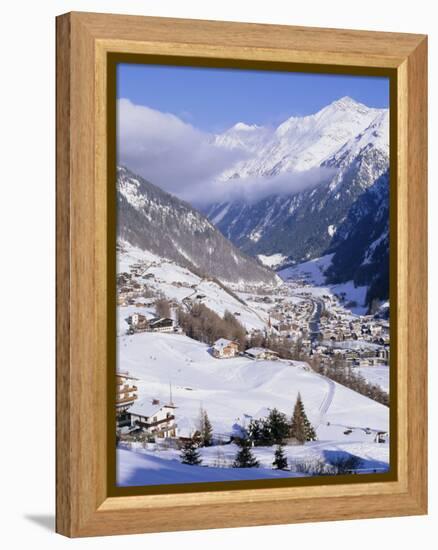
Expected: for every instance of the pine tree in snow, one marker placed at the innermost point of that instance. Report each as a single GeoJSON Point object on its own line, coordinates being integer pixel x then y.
{"type": "Point", "coordinates": [190, 454]}
{"type": "Point", "coordinates": [278, 426]}
{"type": "Point", "coordinates": [280, 460]}
{"type": "Point", "coordinates": [301, 428]}
{"type": "Point", "coordinates": [244, 457]}
{"type": "Point", "coordinates": [205, 429]}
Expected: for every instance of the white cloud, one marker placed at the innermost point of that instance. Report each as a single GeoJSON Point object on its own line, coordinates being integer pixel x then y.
{"type": "Point", "coordinates": [167, 151]}
{"type": "Point", "coordinates": [187, 162]}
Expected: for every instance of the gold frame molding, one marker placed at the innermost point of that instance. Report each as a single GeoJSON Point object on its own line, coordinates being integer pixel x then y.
{"type": "Point", "coordinates": [86, 44]}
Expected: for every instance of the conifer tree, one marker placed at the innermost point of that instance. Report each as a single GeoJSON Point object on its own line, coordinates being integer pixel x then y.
{"type": "Point", "coordinates": [301, 428]}
{"type": "Point", "coordinates": [205, 429]}
{"type": "Point", "coordinates": [280, 460]}
{"type": "Point", "coordinates": [244, 457]}
{"type": "Point", "coordinates": [190, 454]}
{"type": "Point", "coordinates": [278, 426]}
{"type": "Point", "coordinates": [309, 429]}
{"type": "Point", "coordinates": [255, 431]}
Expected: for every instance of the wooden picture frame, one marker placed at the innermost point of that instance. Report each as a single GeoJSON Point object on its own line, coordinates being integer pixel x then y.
{"type": "Point", "coordinates": [85, 42]}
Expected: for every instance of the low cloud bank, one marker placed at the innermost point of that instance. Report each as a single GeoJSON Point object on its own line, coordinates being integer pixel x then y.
{"type": "Point", "coordinates": [188, 163]}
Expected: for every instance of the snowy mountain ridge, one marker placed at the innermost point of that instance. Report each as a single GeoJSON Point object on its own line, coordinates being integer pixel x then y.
{"type": "Point", "coordinates": [299, 143]}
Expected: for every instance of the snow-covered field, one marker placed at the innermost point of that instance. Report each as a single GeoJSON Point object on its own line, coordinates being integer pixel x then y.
{"type": "Point", "coordinates": [274, 260]}
{"type": "Point", "coordinates": [138, 466]}
{"type": "Point", "coordinates": [235, 390]}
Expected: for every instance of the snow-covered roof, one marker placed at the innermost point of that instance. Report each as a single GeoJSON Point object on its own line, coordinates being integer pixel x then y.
{"type": "Point", "coordinates": [125, 374]}
{"type": "Point", "coordinates": [259, 351]}
{"type": "Point", "coordinates": [147, 407]}
{"type": "Point", "coordinates": [156, 320]}
{"type": "Point", "coordinates": [222, 343]}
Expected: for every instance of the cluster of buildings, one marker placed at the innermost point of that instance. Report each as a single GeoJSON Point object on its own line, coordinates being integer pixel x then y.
{"type": "Point", "coordinates": [326, 329]}
{"type": "Point", "coordinates": [140, 323]}
{"type": "Point", "coordinates": [226, 349]}
{"type": "Point", "coordinates": [288, 319]}
{"type": "Point", "coordinates": [353, 357]}
{"type": "Point", "coordinates": [130, 291]}
{"type": "Point", "coordinates": [339, 327]}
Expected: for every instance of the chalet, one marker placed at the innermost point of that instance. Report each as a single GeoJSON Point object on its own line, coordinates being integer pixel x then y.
{"type": "Point", "coordinates": [155, 417]}
{"type": "Point", "coordinates": [125, 393]}
{"type": "Point", "coordinates": [161, 324]}
{"type": "Point", "coordinates": [138, 322]}
{"type": "Point", "coordinates": [224, 348]}
{"type": "Point", "coordinates": [261, 353]}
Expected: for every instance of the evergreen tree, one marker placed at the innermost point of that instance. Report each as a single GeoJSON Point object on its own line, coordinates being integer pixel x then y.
{"type": "Point", "coordinates": [280, 460]}
{"type": "Point", "coordinates": [255, 431]}
{"type": "Point", "coordinates": [244, 457]}
{"type": "Point", "coordinates": [205, 429]}
{"type": "Point", "coordinates": [190, 454]}
{"type": "Point", "coordinates": [278, 426]}
{"type": "Point", "coordinates": [301, 429]}
{"type": "Point", "coordinates": [309, 429]}
{"type": "Point", "coordinates": [265, 435]}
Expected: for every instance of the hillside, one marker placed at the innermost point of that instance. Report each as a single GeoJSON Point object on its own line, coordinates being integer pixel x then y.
{"type": "Point", "coordinates": [155, 221]}
{"type": "Point", "coordinates": [234, 390]}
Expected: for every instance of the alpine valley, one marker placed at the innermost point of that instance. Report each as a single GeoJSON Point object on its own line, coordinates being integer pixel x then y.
{"type": "Point", "coordinates": [346, 214]}
{"type": "Point", "coordinates": [253, 338]}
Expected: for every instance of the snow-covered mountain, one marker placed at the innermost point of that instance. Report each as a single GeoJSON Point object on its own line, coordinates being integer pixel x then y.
{"type": "Point", "coordinates": [299, 143]}
{"type": "Point", "coordinates": [361, 244]}
{"type": "Point", "coordinates": [155, 221]}
{"type": "Point", "coordinates": [348, 140]}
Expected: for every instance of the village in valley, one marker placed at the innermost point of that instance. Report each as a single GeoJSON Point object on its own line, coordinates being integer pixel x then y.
{"type": "Point", "coordinates": [265, 381]}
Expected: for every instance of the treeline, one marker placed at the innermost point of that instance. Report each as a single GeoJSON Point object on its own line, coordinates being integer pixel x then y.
{"type": "Point", "coordinates": [337, 371]}
{"type": "Point", "coordinates": [205, 325]}
{"type": "Point", "coordinates": [286, 349]}
{"type": "Point", "coordinates": [276, 428]}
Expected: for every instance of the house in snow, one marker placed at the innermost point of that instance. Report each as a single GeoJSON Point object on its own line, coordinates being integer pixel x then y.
{"type": "Point", "coordinates": [224, 348]}
{"type": "Point", "coordinates": [156, 418]}
{"type": "Point", "coordinates": [161, 324]}
{"type": "Point", "coordinates": [138, 322]}
{"type": "Point", "coordinates": [261, 353]}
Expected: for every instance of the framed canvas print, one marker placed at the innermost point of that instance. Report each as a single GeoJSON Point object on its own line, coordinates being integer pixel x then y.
{"type": "Point", "coordinates": [241, 277]}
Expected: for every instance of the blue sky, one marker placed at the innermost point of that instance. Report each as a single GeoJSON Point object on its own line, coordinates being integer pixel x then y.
{"type": "Point", "coordinates": [215, 99]}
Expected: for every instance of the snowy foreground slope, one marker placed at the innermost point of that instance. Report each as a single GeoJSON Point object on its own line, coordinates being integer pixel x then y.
{"type": "Point", "coordinates": [232, 391]}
